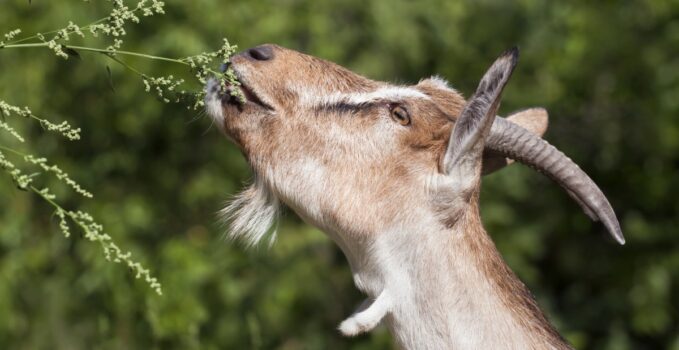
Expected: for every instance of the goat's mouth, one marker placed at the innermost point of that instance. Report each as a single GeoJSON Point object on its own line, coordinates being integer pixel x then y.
{"type": "Point", "coordinates": [242, 95]}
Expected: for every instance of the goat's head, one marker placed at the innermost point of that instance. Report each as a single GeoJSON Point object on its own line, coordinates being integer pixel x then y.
{"type": "Point", "coordinates": [356, 156]}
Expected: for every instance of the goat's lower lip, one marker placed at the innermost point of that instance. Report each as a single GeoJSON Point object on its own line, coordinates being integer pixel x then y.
{"type": "Point", "coordinates": [249, 95]}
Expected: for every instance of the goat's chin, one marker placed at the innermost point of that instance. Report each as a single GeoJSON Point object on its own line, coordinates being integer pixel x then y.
{"type": "Point", "coordinates": [213, 104]}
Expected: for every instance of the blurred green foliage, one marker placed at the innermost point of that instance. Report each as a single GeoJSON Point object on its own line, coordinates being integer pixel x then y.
{"type": "Point", "coordinates": [607, 71]}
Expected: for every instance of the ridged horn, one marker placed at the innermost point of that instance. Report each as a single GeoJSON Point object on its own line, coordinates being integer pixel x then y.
{"type": "Point", "coordinates": [521, 145]}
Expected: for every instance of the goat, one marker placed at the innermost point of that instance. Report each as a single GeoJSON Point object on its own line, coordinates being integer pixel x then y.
{"type": "Point", "coordinates": [392, 174]}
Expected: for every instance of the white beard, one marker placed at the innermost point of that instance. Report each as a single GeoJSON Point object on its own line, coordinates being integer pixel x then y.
{"type": "Point", "coordinates": [251, 214]}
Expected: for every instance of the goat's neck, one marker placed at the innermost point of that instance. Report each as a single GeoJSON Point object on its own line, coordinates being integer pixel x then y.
{"type": "Point", "coordinates": [446, 289]}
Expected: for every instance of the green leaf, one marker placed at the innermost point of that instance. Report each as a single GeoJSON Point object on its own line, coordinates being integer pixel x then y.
{"type": "Point", "coordinates": [69, 51]}
{"type": "Point", "coordinates": [110, 78]}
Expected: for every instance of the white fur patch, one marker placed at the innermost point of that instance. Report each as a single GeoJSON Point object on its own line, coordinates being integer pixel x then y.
{"type": "Point", "coordinates": [438, 82]}
{"type": "Point", "coordinates": [386, 93]}
{"type": "Point", "coordinates": [213, 104]}
{"type": "Point", "coordinates": [367, 317]}
{"type": "Point", "coordinates": [251, 214]}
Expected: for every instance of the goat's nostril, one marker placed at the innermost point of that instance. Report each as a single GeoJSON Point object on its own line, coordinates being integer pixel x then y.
{"type": "Point", "coordinates": [261, 53]}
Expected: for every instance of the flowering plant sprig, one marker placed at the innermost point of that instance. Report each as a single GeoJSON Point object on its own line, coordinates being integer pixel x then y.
{"type": "Point", "coordinates": [113, 26]}
{"type": "Point", "coordinates": [168, 89]}
{"type": "Point", "coordinates": [92, 230]}
{"type": "Point", "coordinates": [63, 128]}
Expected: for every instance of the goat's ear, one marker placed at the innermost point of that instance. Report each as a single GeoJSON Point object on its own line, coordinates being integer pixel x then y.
{"type": "Point", "coordinates": [534, 120]}
{"type": "Point", "coordinates": [462, 159]}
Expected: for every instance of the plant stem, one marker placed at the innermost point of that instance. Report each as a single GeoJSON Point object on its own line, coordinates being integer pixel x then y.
{"type": "Point", "coordinates": [83, 28]}
{"type": "Point", "coordinates": [55, 31]}
{"type": "Point", "coordinates": [107, 52]}
{"type": "Point", "coordinates": [104, 51]}
{"type": "Point", "coordinates": [13, 151]}
{"type": "Point", "coordinates": [127, 66]}
{"type": "Point", "coordinates": [66, 212]}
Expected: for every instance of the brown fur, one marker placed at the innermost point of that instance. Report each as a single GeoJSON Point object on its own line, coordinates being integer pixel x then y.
{"type": "Point", "coordinates": [355, 171]}
{"type": "Point", "coordinates": [512, 291]}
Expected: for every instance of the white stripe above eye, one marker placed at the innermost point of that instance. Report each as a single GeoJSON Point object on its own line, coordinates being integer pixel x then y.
{"type": "Point", "coordinates": [390, 93]}
{"type": "Point", "coordinates": [386, 93]}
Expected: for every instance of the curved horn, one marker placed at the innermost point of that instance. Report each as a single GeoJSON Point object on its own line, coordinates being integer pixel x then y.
{"type": "Point", "coordinates": [534, 120]}
{"type": "Point", "coordinates": [518, 143]}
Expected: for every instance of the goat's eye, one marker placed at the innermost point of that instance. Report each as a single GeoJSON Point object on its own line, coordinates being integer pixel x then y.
{"type": "Point", "coordinates": [400, 115]}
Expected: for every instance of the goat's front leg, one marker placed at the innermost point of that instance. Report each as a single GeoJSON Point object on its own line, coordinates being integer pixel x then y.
{"type": "Point", "coordinates": [367, 316]}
